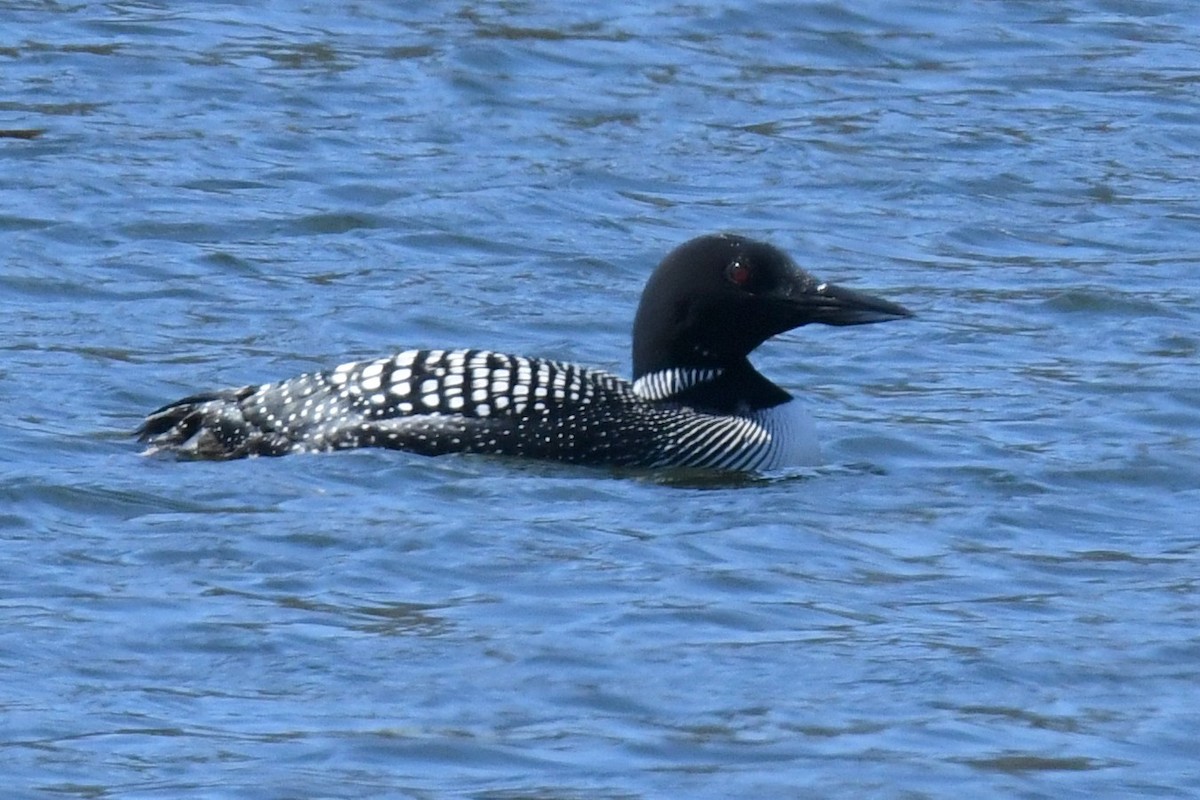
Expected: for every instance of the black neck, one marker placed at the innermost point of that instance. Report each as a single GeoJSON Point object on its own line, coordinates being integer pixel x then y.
{"type": "Point", "coordinates": [737, 390]}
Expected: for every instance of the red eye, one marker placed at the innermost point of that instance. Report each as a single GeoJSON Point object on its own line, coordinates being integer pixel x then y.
{"type": "Point", "coordinates": [738, 273]}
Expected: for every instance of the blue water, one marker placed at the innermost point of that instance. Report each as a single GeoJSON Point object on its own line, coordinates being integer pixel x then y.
{"type": "Point", "coordinates": [989, 591]}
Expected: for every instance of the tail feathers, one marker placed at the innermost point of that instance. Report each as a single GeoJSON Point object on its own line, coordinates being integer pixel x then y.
{"type": "Point", "coordinates": [208, 426]}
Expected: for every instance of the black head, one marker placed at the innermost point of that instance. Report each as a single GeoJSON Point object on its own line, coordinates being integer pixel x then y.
{"type": "Point", "coordinates": [714, 299]}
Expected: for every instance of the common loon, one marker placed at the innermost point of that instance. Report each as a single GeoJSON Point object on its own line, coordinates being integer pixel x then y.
{"type": "Point", "coordinates": [695, 400]}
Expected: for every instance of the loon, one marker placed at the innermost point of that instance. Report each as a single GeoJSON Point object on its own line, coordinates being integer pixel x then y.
{"type": "Point", "coordinates": [695, 400]}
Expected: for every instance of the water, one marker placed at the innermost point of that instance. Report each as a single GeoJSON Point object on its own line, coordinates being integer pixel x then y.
{"type": "Point", "coordinates": [989, 591]}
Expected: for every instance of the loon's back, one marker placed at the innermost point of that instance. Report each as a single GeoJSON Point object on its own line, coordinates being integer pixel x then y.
{"type": "Point", "coordinates": [474, 401]}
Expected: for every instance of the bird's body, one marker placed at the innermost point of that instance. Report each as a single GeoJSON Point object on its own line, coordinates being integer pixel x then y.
{"type": "Point", "coordinates": [476, 401]}
{"type": "Point", "coordinates": [696, 401]}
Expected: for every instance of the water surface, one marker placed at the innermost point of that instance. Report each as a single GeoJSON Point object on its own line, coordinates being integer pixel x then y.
{"type": "Point", "coordinates": [989, 591]}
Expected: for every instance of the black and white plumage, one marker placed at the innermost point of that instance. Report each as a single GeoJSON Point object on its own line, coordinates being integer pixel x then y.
{"type": "Point", "coordinates": [695, 400]}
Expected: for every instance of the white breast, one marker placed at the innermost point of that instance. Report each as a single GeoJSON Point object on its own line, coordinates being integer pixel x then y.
{"type": "Point", "coordinates": [793, 436]}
